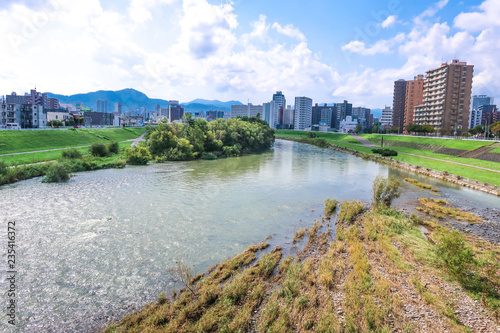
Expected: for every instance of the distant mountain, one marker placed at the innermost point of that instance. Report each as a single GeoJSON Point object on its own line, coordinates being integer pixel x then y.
{"type": "Point", "coordinates": [377, 113]}
{"type": "Point", "coordinates": [133, 100]}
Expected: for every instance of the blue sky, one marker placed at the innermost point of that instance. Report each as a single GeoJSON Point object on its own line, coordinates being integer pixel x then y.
{"type": "Point", "coordinates": [244, 50]}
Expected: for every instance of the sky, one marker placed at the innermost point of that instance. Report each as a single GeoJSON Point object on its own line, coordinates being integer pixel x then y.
{"type": "Point", "coordinates": [244, 50]}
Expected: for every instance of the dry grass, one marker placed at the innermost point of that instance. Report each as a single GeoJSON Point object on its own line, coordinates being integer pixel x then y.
{"type": "Point", "coordinates": [440, 208]}
{"type": "Point", "coordinates": [382, 275]}
{"type": "Point", "coordinates": [421, 185]}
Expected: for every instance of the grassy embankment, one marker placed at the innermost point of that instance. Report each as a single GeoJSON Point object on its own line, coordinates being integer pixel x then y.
{"type": "Point", "coordinates": [24, 141]}
{"type": "Point", "coordinates": [380, 274]}
{"type": "Point", "coordinates": [468, 170]}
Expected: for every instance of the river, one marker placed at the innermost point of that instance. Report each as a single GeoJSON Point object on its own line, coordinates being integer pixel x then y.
{"type": "Point", "coordinates": [100, 244]}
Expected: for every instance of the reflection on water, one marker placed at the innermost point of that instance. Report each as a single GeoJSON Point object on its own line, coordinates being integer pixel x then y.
{"type": "Point", "coordinates": [102, 242]}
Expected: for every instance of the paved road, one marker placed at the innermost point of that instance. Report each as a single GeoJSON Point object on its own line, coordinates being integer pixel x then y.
{"type": "Point", "coordinates": [139, 139]}
{"type": "Point", "coordinates": [367, 143]}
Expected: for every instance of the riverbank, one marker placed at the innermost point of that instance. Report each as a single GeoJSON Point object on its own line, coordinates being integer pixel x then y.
{"type": "Point", "coordinates": [363, 269]}
{"type": "Point", "coordinates": [365, 153]}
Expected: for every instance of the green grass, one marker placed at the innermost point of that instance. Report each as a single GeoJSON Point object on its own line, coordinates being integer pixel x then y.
{"type": "Point", "coordinates": [471, 172]}
{"type": "Point", "coordinates": [496, 150]}
{"type": "Point", "coordinates": [326, 136]}
{"type": "Point", "coordinates": [24, 141]}
{"type": "Point", "coordinates": [449, 143]}
{"type": "Point", "coordinates": [29, 158]}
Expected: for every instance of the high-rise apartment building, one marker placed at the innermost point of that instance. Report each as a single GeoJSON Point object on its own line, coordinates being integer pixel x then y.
{"type": "Point", "coordinates": [364, 116]}
{"type": "Point", "coordinates": [271, 113]}
{"type": "Point", "coordinates": [102, 105]}
{"type": "Point", "coordinates": [343, 110]}
{"type": "Point", "coordinates": [386, 119]}
{"type": "Point", "coordinates": [414, 96]}
{"type": "Point", "coordinates": [447, 97]}
{"type": "Point", "coordinates": [34, 98]}
{"type": "Point", "coordinates": [303, 113]}
{"type": "Point", "coordinates": [175, 111]}
{"type": "Point", "coordinates": [280, 104]}
{"type": "Point", "coordinates": [321, 112]}
{"type": "Point", "coordinates": [118, 107]}
{"type": "Point", "coordinates": [248, 110]}
{"type": "Point", "coordinates": [399, 103]}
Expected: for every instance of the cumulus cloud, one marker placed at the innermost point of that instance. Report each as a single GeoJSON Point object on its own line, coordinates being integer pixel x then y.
{"type": "Point", "coordinates": [389, 21]}
{"type": "Point", "coordinates": [485, 18]}
{"type": "Point", "coordinates": [139, 10]}
{"type": "Point", "coordinates": [290, 31]}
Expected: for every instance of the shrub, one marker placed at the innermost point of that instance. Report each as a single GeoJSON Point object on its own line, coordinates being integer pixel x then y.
{"type": "Point", "coordinates": [231, 151]}
{"type": "Point", "coordinates": [119, 164]}
{"type": "Point", "coordinates": [385, 190]}
{"type": "Point", "coordinates": [113, 148]}
{"type": "Point", "coordinates": [99, 149]}
{"type": "Point", "coordinates": [57, 172]}
{"type": "Point", "coordinates": [209, 156]}
{"type": "Point", "coordinates": [330, 206]}
{"type": "Point", "coordinates": [71, 153]}
{"type": "Point", "coordinates": [137, 155]}
{"type": "Point", "coordinates": [3, 168]}
{"type": "Point", "coordinates": [457, 257]}
{"type": "Point", "coordinates": [385, 152]}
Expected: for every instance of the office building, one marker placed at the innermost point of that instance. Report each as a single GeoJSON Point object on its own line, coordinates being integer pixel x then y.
{"type": "Point", "coordinates": [303, 113]}
{"type": "Point", "coordinates": [476, 115]}
{"type": "Point", "coordinates": [271, 113]}
{"type": "Point", "coordinates": [324, 113]}
{"type": "Point", "coordinates": [488, 114]}
{"type": "Point", "coordinates": [447, 98]}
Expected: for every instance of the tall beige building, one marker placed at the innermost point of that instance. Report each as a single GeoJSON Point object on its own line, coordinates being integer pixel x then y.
{"type": "Point", "coordinates": [414, 97]}
{"type": "Point", "coordinates": [447, 97]}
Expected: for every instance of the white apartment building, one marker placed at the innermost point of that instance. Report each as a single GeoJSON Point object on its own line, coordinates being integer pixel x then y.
{"type": "Point", "coordinates": [248, 110]}
{"type": "Point", "coordinates": [303, 113]}
{"type": "Point", "coordinates": [386, 119]}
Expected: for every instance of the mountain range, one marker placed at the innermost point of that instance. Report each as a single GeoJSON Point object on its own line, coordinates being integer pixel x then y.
{"type": "Point", "coordinates": [133, 100]}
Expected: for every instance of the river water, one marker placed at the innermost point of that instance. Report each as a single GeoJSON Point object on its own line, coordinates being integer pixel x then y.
{"type": "Point", "coordinates": [100, 244]}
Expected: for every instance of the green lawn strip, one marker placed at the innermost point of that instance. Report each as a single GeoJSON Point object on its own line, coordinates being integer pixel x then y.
{"type": "Point", "coordinates": [469, 161]}
{"type": "Point", "coordinates": [462, 170]}
{"type": "Point", "coordinates": [327, 136]}
{"type": "Point", "coordinates": [23, 141]}
{"type": "Point", "coordinates": [45, 156]}
{"type": "Point", "coordinates": [449, 143]}
{"type": "Point", "coordinates": [490, 177]}
{"type": "Point", "coordinates": [29, 158]}
{"type": "Point", "coordinates": [496, 150]}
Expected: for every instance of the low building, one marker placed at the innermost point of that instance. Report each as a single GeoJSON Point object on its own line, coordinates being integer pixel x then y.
{"type": "Point", "coordinates": [62, 116]}
{"type": "Point", "coordinates": [248, 110]}
{"type": "Point", "coordinates": [132, 121]}
{"type": "Point", "coordinates": [98, 119]}
{"type": "Point", "coordinates": [348, 125]}
{"type": "Point", "coordinates": [24, 115]}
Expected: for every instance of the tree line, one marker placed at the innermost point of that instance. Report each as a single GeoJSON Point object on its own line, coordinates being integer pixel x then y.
{"type": "Point", "coordinates": [196, 138]}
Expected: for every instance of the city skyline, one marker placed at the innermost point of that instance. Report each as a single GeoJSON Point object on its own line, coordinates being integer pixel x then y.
{"type": "Point", "coordinates": [243, 50]}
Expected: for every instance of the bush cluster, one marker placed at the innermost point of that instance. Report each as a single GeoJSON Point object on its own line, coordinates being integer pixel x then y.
{"type": "Point", "coordinates": [137, 156]}
{"type": "Point", "coordinates": [71, 153]}
{"type": "Point", "coordinates": [385, 152]}
{"type": "Point", "coordinates": [100, 149]}
{"type": "Point", "coordinates": [56, 172]}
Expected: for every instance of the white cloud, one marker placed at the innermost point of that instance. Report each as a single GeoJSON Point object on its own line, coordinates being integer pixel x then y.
{"type": "Point", "coordinates": [290, 31]}
{"type": "Point", "coordinates": [360, 47]}
{"type": "Point", "coordinates": [432, 10]}
{"type": "Point", "coordinates": [477, 21]}
{"type": "Point", "coordinates": [139, 10]}
{"type": "Point", "coordinates": [389, 21]}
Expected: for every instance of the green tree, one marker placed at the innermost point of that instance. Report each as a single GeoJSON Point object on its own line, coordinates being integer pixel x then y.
{"type": "Point", "coordinates": [358, 129]}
